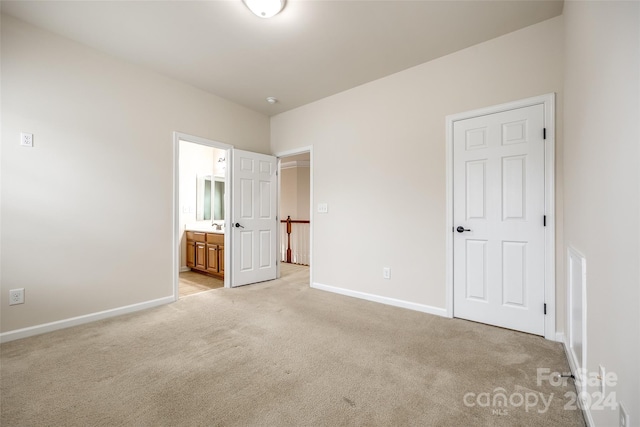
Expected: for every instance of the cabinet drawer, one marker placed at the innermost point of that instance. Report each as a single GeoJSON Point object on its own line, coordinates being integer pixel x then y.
{"type": "Point", "coordinates": [196, 236]}
{"type": "Point", "coordinates": [216, 239]}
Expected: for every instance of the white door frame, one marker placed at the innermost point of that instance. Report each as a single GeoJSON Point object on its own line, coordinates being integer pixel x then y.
{"type": "Point", "coordinates": [293, 152]}
{"type": "Point", "coordinates": [177, 137]}
{"type": "Point", "coordinates": [548, 101]}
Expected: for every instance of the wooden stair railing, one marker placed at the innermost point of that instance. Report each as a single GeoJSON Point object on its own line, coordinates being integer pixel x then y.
{"type": "Point", "coordinates": [290, 221]}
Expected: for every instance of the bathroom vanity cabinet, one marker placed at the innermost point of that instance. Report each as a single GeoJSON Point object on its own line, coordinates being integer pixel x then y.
{"type": "Point", "coordinates": [205, 252]}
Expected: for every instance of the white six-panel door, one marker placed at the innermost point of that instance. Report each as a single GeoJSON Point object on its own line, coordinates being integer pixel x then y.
{"type": "Point", "coordinates": [498, 204]}
{"type": "Point", "coordinates": [254, 223]}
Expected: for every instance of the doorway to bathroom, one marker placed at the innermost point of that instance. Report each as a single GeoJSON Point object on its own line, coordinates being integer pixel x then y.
{"type": "Point", "coordinates": [201, 210]}
{"type": "Point", "coordinates": [239, 247]}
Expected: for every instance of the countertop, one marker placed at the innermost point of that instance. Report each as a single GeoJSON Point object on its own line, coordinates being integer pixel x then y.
{"type": "Point", "coordinates": [203, 228]}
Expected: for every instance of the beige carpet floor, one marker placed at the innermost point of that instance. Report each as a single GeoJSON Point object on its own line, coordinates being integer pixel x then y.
{"type": "Point", "coordinates": [279, 354]}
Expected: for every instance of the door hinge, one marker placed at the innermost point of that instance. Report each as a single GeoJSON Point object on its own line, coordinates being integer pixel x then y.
{"type": "Point", "coordinates": [544, 133]}
{"type": "Point", "coordinates": [544, 220]}
{"type": "Point", "coordinates": [545, 308]}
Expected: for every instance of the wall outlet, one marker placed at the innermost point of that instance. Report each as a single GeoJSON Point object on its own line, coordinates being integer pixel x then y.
{"type": "Point", "coordinates": [386, 273]}
{"type": "Point", "coordinates": [624, 417]}
{"type": "Point", "coordinates": [16, 296]}
{"type": "Point", "coordinates": [26, 139]}
{"type": "Point", "coordinates": [602, 377]}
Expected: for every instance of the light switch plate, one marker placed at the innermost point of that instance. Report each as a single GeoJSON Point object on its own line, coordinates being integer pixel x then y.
{"type": "Point", "coordinates": [323, 208]}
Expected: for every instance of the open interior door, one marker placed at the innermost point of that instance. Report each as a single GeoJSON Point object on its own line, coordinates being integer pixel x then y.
{"type": "Point", "coordinates": [254, 224]}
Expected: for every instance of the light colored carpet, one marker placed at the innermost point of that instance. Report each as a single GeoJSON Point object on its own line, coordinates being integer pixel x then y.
{"type": "Point", "coordinates": [191, 283]}
{"type": "Point", "coordinates": [277, 354]}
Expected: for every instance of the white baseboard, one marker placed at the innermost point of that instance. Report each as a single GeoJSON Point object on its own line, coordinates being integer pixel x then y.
{"type": "Point", "coordinates": [383, 300]}
{"type": "Point", "coordinates": [573, 365]}
{"type": "Point", "coordinates": [184, 269]}
{"type": "Point", "coordinates": [87, 318]}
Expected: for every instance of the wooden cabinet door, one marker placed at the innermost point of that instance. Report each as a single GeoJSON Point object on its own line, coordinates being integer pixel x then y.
{"type": "Point", "coordinates": [201, 256]}
{"type": "Point", "coordinates": [212, 258]}
{"type": "Point", "coordinates": [191, 254]}
{"type": "Point", "coordinates": [221, 259]}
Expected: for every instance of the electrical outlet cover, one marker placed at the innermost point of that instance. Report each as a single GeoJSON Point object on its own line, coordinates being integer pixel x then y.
{"type": "Point", "coordinates": [16, 296]}
{"type": "Point", "coordinates": [26, 139]}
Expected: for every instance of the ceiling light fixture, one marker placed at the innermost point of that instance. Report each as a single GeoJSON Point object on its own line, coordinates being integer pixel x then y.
{"type": "Point", "coordinates": [271, 100]}
{"type": "Point", "coordinates": [265, 8]}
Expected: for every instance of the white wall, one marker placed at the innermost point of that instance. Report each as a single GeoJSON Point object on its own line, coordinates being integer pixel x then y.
{"type": "Point", "coordinates": [288, 193]}
{"type": "Point", "coordinates": [195, 159]}
{"type": "Point", "coordinates": [304, 192]}
{"type": "Point", "coordinates": [86, 215]}
{"type": "Point", "coordinates": [294, 193]}
{"type": "Point", "coordinates": [379, 156]}
{"type": "Point", "coordinates": [602, 184]}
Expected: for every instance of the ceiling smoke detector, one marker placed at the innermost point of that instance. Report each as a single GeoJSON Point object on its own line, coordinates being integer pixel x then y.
{"type": "Point", "coordinates": [271, 100]}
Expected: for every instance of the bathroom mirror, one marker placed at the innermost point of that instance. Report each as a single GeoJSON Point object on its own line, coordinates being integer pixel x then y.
{"type": "Point", "coordinates": [209, 198]}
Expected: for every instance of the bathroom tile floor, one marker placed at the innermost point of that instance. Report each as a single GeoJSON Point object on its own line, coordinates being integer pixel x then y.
{"type": "Point", "coordinates": [192, 283]}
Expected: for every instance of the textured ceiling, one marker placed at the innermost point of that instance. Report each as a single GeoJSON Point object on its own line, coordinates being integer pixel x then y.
{"type": "Point", "coordinates": [313, 49]}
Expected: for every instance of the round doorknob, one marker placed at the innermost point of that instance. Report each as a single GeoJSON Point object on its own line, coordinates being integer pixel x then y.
{"type": "Point", "coordinates": [461, 229]}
